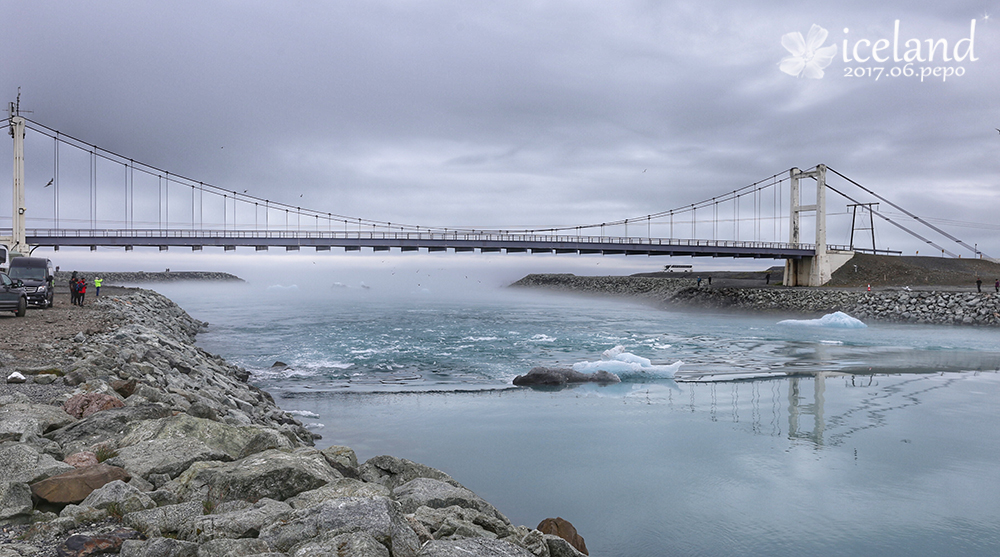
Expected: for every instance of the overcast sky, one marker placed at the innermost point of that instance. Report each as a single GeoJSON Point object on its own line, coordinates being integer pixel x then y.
{"type": "Point", "coordinates": [497, 114]}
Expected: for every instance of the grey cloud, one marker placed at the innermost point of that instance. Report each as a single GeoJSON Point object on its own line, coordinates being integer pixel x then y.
{"type": "Point", "coordinates": [500, 114]}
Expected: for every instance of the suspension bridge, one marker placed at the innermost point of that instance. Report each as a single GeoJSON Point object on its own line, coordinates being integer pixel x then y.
{"type": "Point", "coordinates": [125, 203]}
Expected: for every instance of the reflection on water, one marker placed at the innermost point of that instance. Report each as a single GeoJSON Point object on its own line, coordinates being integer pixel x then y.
{"type": "Point", "coordinates": [800, 402]}
{"type": "Point", "coordinates": [797, 407]}
{"type": "Point", "coordinates": [900, 464]}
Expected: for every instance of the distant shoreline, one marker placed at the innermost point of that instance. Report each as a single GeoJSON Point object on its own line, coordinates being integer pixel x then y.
{"type": "Point", "coordinates": [120, 278]}
{"type": "Point", "coordinates": [896, 305]}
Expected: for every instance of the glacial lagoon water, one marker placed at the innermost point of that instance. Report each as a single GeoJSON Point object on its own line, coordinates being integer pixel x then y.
{"type": "Point", "coordinates": [768, 438]}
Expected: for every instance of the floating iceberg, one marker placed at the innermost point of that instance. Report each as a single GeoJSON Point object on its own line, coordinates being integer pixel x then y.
{"type": "Point", "coordinates": [625, 364]}
{"type": "Point", "coordinates": [838, 320]}
{"type": "Point", "coordinates": [280, 287]}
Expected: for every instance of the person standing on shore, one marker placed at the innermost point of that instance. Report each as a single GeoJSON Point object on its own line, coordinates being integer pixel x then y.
{"type": "Point", "coordinates": [72, 289]}
{"type": "Point", "coordinates": [979, 284]}
{"type": "Point", "coordinates": [97, 287]}
{"type": "Point", "coordinates": [997, 286]}
{"type": "Point", "coordinates": [83, 291]}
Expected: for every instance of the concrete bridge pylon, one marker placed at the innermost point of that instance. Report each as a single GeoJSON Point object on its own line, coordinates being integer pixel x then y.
{"type": "Point", "coordinates": [16, 244]}
{"type": "Point", "coordinates": [18, 240]}
{"type": "Point", "coordinates": [815, 270]}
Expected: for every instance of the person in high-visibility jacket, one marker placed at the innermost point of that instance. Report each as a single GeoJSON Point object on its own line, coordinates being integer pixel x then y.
{"type": "Point", "coordinates": [97, 287]}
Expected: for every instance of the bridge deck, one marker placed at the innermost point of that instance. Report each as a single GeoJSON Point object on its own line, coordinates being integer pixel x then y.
{"type": "Point", "coordinates": [412, 241]}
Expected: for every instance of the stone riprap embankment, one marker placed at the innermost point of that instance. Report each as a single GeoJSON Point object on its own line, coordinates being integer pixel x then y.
{"type": "Point", "coordinates": [899, 306]}
{"type": "Point", "coordinates": [151, 446]}
{"type": "Point", "coordinates": [143, 277]}
{"type": "Point", "coordinates": [655, 289]}
{"type": "Point", "coordinates": [946, 307]}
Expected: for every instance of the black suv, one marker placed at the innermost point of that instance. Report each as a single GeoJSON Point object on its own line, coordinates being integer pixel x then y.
{"type": "Point", "coordinates": [12, 296]}
{"type": "Point", "coordinates": [36, 274]}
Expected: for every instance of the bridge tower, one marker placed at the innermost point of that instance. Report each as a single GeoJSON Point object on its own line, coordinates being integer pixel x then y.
{"type": "Point", "coordinates": [815, 270]}
{"type": "Point", "coordinates": [18, 241]}
{"type": "Point", "coordinates": [16, 244]}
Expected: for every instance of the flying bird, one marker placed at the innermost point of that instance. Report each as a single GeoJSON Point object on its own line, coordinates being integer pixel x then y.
{"type": "Point", "coordinates": [50, 182]}
{"type": "Point", "coordinates": [997, 129]}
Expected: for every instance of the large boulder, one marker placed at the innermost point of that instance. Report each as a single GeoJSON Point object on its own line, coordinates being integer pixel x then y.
{"type": "Point", "coordinates": [342, 487]}
{"type": "Point", "coordinates": [118, 493]}
{"type": "Point", "coordinates": [355, 544]}
{"type": "Point", "coordinates": [232, 440]}
{"type": "Point", "coordinates": [85, 404]}
{"type": "Point", "coordinates": [74, 486]}
{"type": "Point", "coordinates": [555, 377]}
{"type": "Point", "coordinates": [558, 547]}
{"type": "Point", "coordinates": [452, 523]}
{"type": "Point", "coordinates": [425, 492]}
{"type": "Point", "coordinates": [158, 547]}
{"type": "Point", "coordinates": [239, 523]}
{"type": "Point", "coordinates": [393, 472]}
{"type": "Point", "coordinates": [20, 462]}
{"type": "Point", "coordinates": [19, 419]}
{"type": "Point", "coordinates": [15, 502]}
{"type": "Point", "coordinates": [82, 545]}
{"type": "Point", "coordinates": [472, 547]}
{"type": "Point", "coordinates": [532, 540]}
{"type": "Point", "coordinates": [274, 474]}
{"type": "Point", "coordinates": [164, 520]}
{"type": "Point", "coordinates": [379, 517]}
{"type": "Point", "coordinates": [165, 456]}
{"type": "Point", "coordinates": [43, 445]}
{"type": "Point", "coordinates": [83, 459]}
{"type": "Point", "coordinates": [225, 547]}
{"type": "Point", "coordinates": [104, 426]}
{"type": "Point", "coordinates": [343, 459]}
{"type": "Point", "coordinates": [564, 529]}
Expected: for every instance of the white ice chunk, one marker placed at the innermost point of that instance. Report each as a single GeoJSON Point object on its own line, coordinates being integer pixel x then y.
{"type": "Point", "coordinates": [625, 364]}
{"type": "Point", "coordinates": [280, 287]}
{"type": "Point", "coordinates": [838, 319]}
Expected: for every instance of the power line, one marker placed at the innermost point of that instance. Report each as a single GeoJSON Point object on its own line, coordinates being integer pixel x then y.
{"type": "Point", "coordinates": [911, 215]}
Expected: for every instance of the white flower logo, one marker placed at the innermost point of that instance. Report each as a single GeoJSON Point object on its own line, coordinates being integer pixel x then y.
{"type": "Point", "coordinates": [808, 58]}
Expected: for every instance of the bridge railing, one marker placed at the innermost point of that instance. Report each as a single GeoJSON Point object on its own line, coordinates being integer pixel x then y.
{"type": "Point", "coordinates": [465, 236]}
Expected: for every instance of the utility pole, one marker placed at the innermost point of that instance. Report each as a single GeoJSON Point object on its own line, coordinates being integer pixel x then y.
{"type": "Point", "coordinates": [870, 207]}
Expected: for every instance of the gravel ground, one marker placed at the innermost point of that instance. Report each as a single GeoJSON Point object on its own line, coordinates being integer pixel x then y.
{"type": "Point", "coordinates": [921, 273]}
{"type": "Point", "coordinates": [43, 338]}
{"type": "Point", "coordinates": [880, 271]}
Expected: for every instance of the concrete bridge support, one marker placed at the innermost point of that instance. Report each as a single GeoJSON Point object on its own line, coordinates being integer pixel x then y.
{"type": "Point", "coordinates": [18, 242]}
{"type": "Point", "coordinates": [815, 270]}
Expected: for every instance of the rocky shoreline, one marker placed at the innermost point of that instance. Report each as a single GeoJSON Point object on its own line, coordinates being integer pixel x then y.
{"type": "Point", "coordinates": [130, 439]}
{"type": "Point", "coordinates": [897, 305]}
